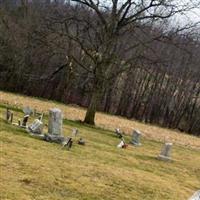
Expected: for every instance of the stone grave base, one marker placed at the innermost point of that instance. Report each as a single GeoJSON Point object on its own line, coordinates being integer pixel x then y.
{"type": "Point", "coordinates": [54, 138]}
{"type": "Point", "coordinates": [38, 136]}
{"type": "Point", "coordinates": [164, 158]}
{"type": "Point", "coordinates": [136, 144]}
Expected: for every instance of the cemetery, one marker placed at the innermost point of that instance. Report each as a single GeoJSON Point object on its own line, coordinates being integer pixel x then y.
{"type": "Point", "coordinates": [78, 156]}
{"type": "Point", "coordinates": [55, 126]}
{"type": "Point", "coordinates": [99, 100]}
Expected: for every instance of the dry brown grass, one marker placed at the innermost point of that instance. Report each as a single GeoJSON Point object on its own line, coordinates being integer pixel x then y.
{"type": "Point", "coordinates": [103, 120]}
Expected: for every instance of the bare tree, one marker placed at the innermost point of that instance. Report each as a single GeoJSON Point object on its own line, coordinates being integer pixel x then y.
{"type": "Point", "coordinates": [147, 69]}
{"type": "Point", "coordinates": [100, 37]}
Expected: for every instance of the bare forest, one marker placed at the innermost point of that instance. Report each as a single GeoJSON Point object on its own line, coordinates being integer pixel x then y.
{"type": "Point", "coordinates": [127, 59]}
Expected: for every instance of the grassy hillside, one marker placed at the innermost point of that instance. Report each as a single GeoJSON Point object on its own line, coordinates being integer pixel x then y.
{"type": "Point", "coordinates": [37, 170]}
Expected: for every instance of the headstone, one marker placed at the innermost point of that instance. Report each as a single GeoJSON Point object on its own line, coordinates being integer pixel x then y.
{"type": "Point", "coordinates": [136, 138]}
{"type": "Point", "coordinates": [27, 110]}
{"type": "Point", "coordinates": [55, 122]}
{"type": "Point", "coordinates": [74, 132]}
{"type": "Point", "coordinates": [166, 152]}
{"type": "Point", "coordinates": [81, 141]}
{"type": "Point", "coordinates": [68, 143]}
{"type": "Point", "coordinates": [195, 196]}
{"type": "Point", "coordinates": [36, 127]}
{"type": "Point", "coordinates": [118, 132]}
{"type": "Point", "coordinates": [9, 115]}
{"type": "Point", "coordinates": [25, 120]}
{"type": "Point", "coordinates": [122, 144]}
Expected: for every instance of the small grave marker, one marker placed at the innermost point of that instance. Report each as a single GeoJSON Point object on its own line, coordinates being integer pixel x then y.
{"type": "Point", "coordinates": [9, 115]}
{"type": "Point", "coordinates": [122, 144]}
{"type": "Point", "coordinates": [36, 127]}
{"type": "Point", "coordinates": [136, 138]}
{"type": "Point", "coordinates": [25, 120]}
{"type": "Point", "coordinates": [81, 141]}
{"type": "Point", "coordinates": [165, 154]}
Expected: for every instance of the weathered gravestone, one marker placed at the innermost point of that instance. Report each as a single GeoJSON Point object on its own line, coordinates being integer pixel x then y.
{"type": "Point", "coordinates": [81, 141]}
{"type": "Point", "coordinates": [55, 122]}
{"type": "Point", "coordinates": [165, 154]}
{"type": "Point", "coordinates": [9, 115]}
{"type": "Point", "coordinates": [36, 127]}
{"type": "Point", "coordinates": [24, 121]}
{"type": "Point", "coordinates": [136, 138]}
{"type": "Point", "coordinates": [195, 196]}
{"type": "Point", "coordinates": [55, 127]}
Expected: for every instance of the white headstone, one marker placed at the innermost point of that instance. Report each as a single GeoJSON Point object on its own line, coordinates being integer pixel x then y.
{"type": "Point", "coordinates": [121, 144]}
{"type": "Point", "coordinates": [36, 127]}
{"type": "Point", "coordinates": [136, 138]}
{"type": "Point", "coordinates": [195, 196]}
{"type": "Point", "coordinates": [9, 115]}
{"type": "Point", "coordinates": [55, 121]}
{"type": "Point", "coordinates": [166, 152]}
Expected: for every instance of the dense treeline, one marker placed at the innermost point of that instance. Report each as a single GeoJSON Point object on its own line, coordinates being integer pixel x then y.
{"type": "Point", "coordinates": [37, 57]}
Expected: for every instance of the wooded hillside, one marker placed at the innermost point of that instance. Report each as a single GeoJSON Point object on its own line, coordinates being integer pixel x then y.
{"type": "Point", "coordinates": [154, 76]}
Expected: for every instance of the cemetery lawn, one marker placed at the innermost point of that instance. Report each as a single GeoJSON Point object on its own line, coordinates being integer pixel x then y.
{"type": "Point", "coordinates": [37, 170]}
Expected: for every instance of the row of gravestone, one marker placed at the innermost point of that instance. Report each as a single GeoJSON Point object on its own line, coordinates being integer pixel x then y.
{"type": "Point", "coordinates": [55, 123]}
{"type": "Point", "coordinates": [55, 131]}
{"type": "Point", "coordinates": [165, 154]}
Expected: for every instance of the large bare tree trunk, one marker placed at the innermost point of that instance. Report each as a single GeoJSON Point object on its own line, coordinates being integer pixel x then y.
{"type": "Point", "coordinates": [94, 102]}
{"type": "Point", "coordinates": [91, 111]}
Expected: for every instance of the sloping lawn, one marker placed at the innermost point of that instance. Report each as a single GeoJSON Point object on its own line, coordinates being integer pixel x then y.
{"type": "Point", "coordinates": [32, 169]}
